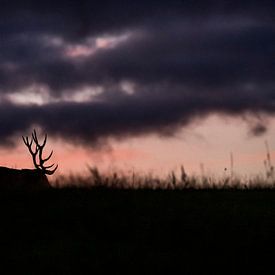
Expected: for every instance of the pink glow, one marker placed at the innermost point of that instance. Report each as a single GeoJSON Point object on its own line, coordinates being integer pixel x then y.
{"type": "Point", "coordinates": [79, 51]}
{"type": "Point", "coordinates": [209, 143]}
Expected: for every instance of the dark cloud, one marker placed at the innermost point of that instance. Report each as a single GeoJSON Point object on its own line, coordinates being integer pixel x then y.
{"type": "Point", "coordinates": [94, 123]}
{"type": "Point", "coordinates": [184, 60]}
{"type": "Point", "coordinates": [258, 130]}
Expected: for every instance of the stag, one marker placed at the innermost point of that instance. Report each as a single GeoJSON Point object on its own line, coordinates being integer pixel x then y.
{"type": "Point", "coordinates": [30, 179]}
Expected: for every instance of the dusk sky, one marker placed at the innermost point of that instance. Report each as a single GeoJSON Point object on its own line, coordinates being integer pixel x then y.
{"type": "Point", "coordinates": [144, 85]}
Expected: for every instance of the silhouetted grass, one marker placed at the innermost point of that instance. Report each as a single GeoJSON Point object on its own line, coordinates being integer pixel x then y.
{"type": "Point", "coordinates": [136, 223]}
{"type": "Point", "coordinates": [174, 181]}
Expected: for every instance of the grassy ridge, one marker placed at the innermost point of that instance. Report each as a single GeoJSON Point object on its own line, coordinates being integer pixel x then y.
{"type": "Point", "coordinates": [69, 231]}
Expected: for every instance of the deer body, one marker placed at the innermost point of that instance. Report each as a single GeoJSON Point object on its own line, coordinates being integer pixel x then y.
{"type": "Point", "coordinates": [22, 179]}
{"type": "Point", "coordinates": [29, 179]}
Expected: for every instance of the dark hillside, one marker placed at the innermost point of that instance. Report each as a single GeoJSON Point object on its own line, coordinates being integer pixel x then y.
{"type": "Point", "coordinates": [78, 231]}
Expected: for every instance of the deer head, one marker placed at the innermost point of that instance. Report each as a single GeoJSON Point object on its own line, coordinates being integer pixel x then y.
{"type": "Point", "coordinates": [37, 154]}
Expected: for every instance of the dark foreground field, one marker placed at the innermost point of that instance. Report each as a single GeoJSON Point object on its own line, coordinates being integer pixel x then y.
{"type": "Point", "coordinates": [77, 231]}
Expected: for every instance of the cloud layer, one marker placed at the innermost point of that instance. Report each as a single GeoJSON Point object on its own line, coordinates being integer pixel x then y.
{"type": "Point", "coordinates": [116, 70]}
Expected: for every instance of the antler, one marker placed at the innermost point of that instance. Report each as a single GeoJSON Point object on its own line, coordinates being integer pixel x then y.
{"type": "Point", "coordinates": [39, 151]}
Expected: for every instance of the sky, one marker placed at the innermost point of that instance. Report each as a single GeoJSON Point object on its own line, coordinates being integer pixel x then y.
{"type": "Point", "coordinates": [143, 85]}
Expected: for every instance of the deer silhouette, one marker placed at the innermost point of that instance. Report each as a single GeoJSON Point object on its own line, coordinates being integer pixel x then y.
{"type": "Point", "coordinates": [29, 179]}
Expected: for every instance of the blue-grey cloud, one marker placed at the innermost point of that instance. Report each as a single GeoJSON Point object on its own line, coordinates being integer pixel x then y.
{"type": "Point", "coordinates": [185, 59]}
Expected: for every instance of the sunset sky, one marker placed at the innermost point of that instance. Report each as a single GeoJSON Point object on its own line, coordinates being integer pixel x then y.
{"type": "Point", "coordinates": [139, 85]}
